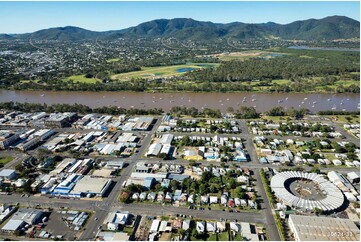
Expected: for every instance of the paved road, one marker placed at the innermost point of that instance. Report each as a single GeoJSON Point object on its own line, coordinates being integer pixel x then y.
{"type": "Point", "coordinates": [111, 202]}
{"type": "Point", "coordinates": [265, 205]}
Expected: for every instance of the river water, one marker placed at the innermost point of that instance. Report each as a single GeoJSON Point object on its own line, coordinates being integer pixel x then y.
{"type": "Point", "coordinates": [261, 101]}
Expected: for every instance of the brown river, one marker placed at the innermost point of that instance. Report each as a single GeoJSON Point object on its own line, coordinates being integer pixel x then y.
{"type": "Point", "coordinates": [261, 101]}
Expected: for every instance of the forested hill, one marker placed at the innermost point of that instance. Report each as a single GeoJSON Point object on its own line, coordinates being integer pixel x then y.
{"type": "Point", "coordinates": [329, 28]}
{"type": "Point", "coordinates": [335, 27]}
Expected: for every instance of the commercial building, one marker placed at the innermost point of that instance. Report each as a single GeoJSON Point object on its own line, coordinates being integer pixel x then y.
{"type": "Point", "coordinates": [13, 225]}
{"type": "Point", "coordinates": [65, 187]}
{"type": "Point", "coordinates": [60, 120]}
{"type": "Point", "coordinates": [89, 186]}
{"type": "Point", "coordinates": [311, 228]}
{"type": "Point", "coordinates": [154, 149]}
{"type": "Point", "coordinates": [7, 174]}
{"type": "Point", "coordinates": [22, 217]}
{"type": "Point", "coordinates": [5, 212]}
{"type": "Point", "coordinates": [29, 144]}
{"type": "Point", "coordinates": [7, 138]}
{"type": "Point", "coordinates": [353, 177]}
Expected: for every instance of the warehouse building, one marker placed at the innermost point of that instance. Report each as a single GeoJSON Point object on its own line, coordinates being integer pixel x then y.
{"type": "Point", "coordinates": [7, 138]}
{"type": "Point", "coordinates": [7, 174]}
{"type": "Point", "coordinates": [21, 218]}
{"type": "Point", "coordinates": [89, 186]}
{"type": "Point", "coordinates": [353, 177]}
{"type": "Point", "coordinates": [60, 120]}
{"type": "Point", "coordinates": [154, 149]}
{"type": "Point", "coordinates": [311, 228]}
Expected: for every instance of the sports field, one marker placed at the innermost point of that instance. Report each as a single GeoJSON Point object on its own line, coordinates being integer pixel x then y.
{"type": "Point", "coordinates": [244, 55]}
{"type": "Point", "coordinates": [163, 71]}
{"type": "Point", "coordinates": [81, 79]}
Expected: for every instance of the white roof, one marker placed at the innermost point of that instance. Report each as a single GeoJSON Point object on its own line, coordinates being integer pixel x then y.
{"type": "Point", "coordinates": [90, 185]}
{"type": "Point", "coordinates": [155, 226]}
{"type": "Point", "coordinates": [12, 225]}
{"type": "Point", "coordinates": [166, 139]}
{"type": "Point", "coordinates": [333, 200]}
{"type": "Point", "coordinates": [154, 149]}
{"type": "Point", "coordinates": [353, 175]}
{"type": "Point", "coordinates": [6, 172]}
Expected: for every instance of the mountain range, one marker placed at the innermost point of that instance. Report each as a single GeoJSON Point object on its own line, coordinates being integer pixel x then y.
{"type": "Point", "coordinates": [329, 28]}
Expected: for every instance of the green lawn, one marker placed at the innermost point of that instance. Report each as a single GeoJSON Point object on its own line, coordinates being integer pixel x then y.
{"type": "Point", "coordinates": [27, 81]}
{"type": "Point", "coordinates": [161, 71]}
{"type": "Point", "coordinates": [238, 237]}
{"type": "Point", "coordinates": [281, 81]}
{"type": "Point", "coordinates": [341, 119]}
{"type": "Point", "coordinates": [5, 159]}
{"type": "Point", "coordinates": [346, 82]}
{"type": "Point", "coordinates": [223, 236]}
{"type": "Point", "coordinates": [81, 79]}
{"type": "Point", "coordinates": [128, 230]}
{"type": "Point", "coordinates": [244, 55]}
{"type": "Point", "coordinates": [212, 237]}
{"type": "Point", "coordinates": [113, 60]}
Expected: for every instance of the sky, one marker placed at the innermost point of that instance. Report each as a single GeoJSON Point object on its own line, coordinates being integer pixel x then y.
{"type": "Point", "coordinates": [24, 17]}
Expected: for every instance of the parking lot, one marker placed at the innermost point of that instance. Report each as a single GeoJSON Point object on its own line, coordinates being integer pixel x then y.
{"type": "Point", "coordinates": [57, 227]}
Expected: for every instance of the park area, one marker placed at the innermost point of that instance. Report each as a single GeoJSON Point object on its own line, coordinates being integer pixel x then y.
{"type": "Point", "coordinates": [163, 71]}
{"type": "Point", "coordinates": [5, 159]}
{"type": "Point", "coordinates": [82, 79]}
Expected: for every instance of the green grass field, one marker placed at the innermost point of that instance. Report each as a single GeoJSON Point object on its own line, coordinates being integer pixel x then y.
{"type": "Point", "coordinates": [161, 71]}
{"type": "Point", "coordinates": [113, 60]}
{"type": "Point", "coordinates": [27, 81]}
{"type": "Point", "coordinates": [223, 236]}
{"type": "Point", "coordinates": [281, 82]}
{"type": "Point", "coordinates": [81, 79]}
{"type": "Point", "coordinates": [245, 55]}
{"type": "Point", "coordinates": [5, 159]}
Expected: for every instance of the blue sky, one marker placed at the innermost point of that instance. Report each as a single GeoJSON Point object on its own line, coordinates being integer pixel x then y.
{"type": "Point", "coordinates": [22, 17]}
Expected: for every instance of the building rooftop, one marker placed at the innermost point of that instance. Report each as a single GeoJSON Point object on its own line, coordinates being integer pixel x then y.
{"type": "Point", "coordinates": [12, 225]}
{"type": "Point", "coordinates": [27, 215]}
{"type": "Point", "coordinates": [321, 228]}
{"type": "Point", "coordinates": [90, 185]}
{"type": "Point", "coordinates": [6, 172]}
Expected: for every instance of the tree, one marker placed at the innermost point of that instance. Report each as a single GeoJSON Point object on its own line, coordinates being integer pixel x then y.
{"type": "Point", "coordinates": [230, 110]}
{"type": "Point", "coordinates": [174, 184]}
{"type": "Point", "coordinates": [317, 211]}
{"type": "Point", "coordinates": [246, 113]}
{"type": "Point", "coordinates": [203, 189]}
{"type": "Point", "coordinates": [124, 197]}
{"type": "Point", "coordinates": [181, 232]}
{"type": "Point", "coordinates": [276, 111]}
{"type": "Point", "coordinates": [195, 233]}
{"type": "Point", "coordinates": [41, 154]}
{"type": "Point", "coordinates": [348, 118]}
{"type": "Point", "coordinates": [19, 167]}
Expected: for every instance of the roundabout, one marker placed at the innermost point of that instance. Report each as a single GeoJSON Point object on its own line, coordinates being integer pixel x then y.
{"type": "Point", "coordinates": [306, 191]}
